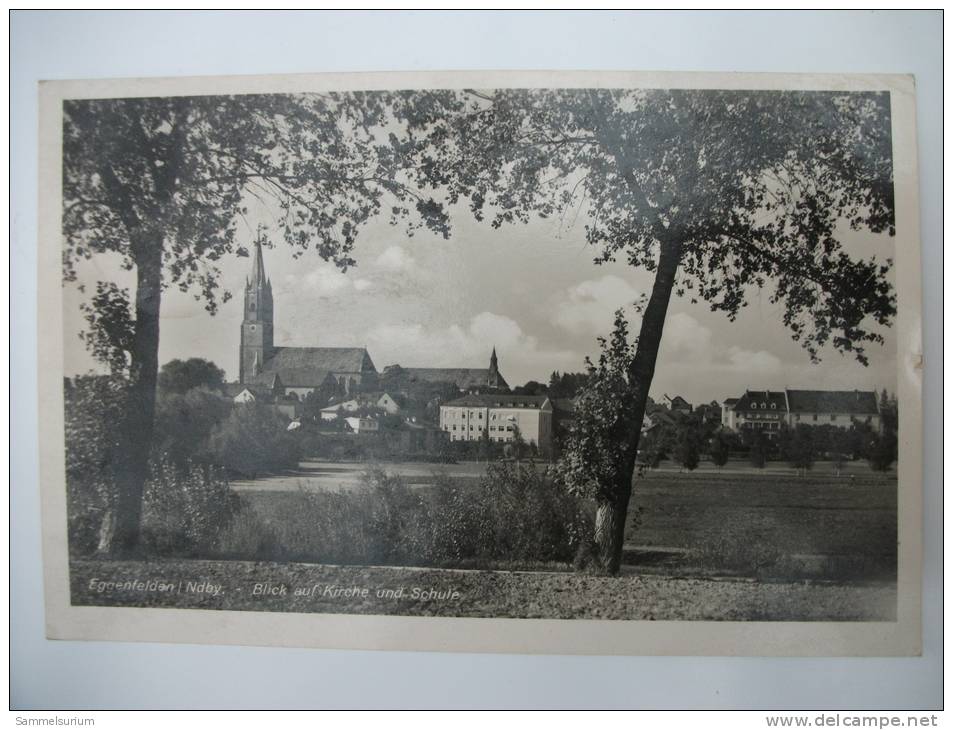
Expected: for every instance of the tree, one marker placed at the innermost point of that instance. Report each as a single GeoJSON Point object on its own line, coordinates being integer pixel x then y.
{"type": "Point", "coordinates": [758, 449]}
{"type": "Point", "coordinates": [593, 462]}
{"type": "Point", "coordinates": [716, 192]}
{"type": "Point", "coordinates": [163, 182]}
{"type": "Point", "coordinates": [688, 444]}
{"type": "Point", "coordinates": [718, 450]}
{"type": "Point", "coordinates": [882, 452]}
{"type": "Point", "coordinates": [181, 376]}
{"type": "Point", "coordinates": [565, 385]}
{"type": "Point", "coordinates": [532, 387]}
{"type": "Point", "coordinates": [800, 448]}
{"type": "Point", "coordinates": [184, 422]}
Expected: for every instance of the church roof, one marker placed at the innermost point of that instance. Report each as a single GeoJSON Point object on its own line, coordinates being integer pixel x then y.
{"type": "Point", "coordinates": [269, 380]}
{"type": "Point", "coordinates": [463, 378]}
{"type": "Point", "coordinates": [311, 366]}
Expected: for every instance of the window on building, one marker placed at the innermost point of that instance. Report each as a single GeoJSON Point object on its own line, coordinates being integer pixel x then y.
{"type": "Point", "coordinates": [471, 427]}
{"type": "Point", "coordinates": [764, 405]}
{"type": "Point", "coordinates": [774, 405]}
{"type": "Point", "coordinates": [480, 415]}
{"type": "Point", "coordinates": [454, 427]}
{"type": "Point", "coordinates": [814, 417]}
{"type": "Point", "coordinates": [754, 406]}
{"type": "Point", "coordinates": [509, 428]}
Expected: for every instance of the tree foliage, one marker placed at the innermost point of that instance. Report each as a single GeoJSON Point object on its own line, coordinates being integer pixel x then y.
{"type": "Point", "coordinates": [719, 193]}
{"type": "Point", "coordinates": [163, 184]}
{"type": "Point", "coordinates": [181, 376]}
{"type": "Point", "coordinates": [688, 445]}
{"type": "Point", "coordinates": [592, 460]}
{"type": "Point", "coordinates": [755, 187]}
{"type": "Point", "coordinates": [719, 450]}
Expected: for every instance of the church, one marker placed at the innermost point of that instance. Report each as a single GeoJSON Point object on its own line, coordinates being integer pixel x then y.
{"type": "Point", "coordinates": [283, 371]}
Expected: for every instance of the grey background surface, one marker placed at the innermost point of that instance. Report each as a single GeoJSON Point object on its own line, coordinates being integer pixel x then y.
{"type": "Point", "coordinates": [74, 675]}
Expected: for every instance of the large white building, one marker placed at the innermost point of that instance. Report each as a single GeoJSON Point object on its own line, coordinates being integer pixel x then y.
{"type": "Point", "coordinates": [498, 417]}
{"type": "Point", "coordinates": [768, 410]}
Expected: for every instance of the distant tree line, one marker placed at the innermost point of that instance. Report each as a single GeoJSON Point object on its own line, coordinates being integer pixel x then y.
{"type": "Point", "coordinates": [690, 437]}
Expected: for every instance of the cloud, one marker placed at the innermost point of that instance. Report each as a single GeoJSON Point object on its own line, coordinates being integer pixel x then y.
{"type": "Point", "coordinates": [688, 343]}
{"type": "Point", "coordinates": [521, 355]}
{"type": "Point", "coordinates": [589, 305]}
{"type": "Point", "coordinates": [326, 280]}
{"type": "Point", "coordinates": [395, 258]}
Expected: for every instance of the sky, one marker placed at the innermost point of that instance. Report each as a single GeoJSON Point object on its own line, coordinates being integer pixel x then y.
{"type": "Point", "coordinates": [530, 290]}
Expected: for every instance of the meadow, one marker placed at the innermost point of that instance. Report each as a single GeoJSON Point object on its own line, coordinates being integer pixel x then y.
{"type": "Point", "coordinates": [768, 523]}
{"type": "Point", "coordinates": [737, 544]}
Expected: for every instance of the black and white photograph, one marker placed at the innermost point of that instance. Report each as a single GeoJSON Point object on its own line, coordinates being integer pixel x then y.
{"type": "Point", "coordinates": [608, 350]}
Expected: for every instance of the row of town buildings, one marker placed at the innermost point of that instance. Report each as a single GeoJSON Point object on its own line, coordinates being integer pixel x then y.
{"type": "Point", "coordinates": [470, 404]}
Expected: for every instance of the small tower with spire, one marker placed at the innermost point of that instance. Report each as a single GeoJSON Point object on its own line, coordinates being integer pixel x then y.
{"type": "Point", "coordinates": [258, 326]}
{"type": "Point", "coordinates": [493, 375]}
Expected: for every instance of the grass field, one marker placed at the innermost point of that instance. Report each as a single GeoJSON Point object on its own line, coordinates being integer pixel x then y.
{"type": "Point", "coordinates": [738, 544]}
{"type": "Point", "coordinates": [840, 528]}
{"type": "Point", "coordinates": [738, 521]}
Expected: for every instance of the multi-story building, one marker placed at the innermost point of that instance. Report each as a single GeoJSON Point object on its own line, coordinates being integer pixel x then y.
{"type": "Point", "coordinates": [499, 417]}
{"type": "Point", "coordinates": [768, 410]}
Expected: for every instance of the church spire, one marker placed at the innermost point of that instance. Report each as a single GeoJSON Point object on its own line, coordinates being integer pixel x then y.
{"type": "Point", "coordinates": [493, 374]}
{"type": "Point", "coordinates": [258, 266]}
{"type": "Point", "coordinates": [258, 327]}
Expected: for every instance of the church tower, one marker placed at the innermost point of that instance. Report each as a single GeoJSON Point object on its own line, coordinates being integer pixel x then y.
{"type": "Point", "coordinates": [258, 327]}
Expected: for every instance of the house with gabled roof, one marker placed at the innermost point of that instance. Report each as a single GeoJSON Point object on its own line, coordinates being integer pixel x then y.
{"type": "Point", "coordinates": [840, 408]}
{"type": "Point", "coordinates": [769, 410]}
{"type": "Point", "coordinates": [676, 403]}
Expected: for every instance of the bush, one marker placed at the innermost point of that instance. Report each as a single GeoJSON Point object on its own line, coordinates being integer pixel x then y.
{"type": "Point", "coordinates": [184, 423]}
{"type": "Point", "coordinates": [185, 508]}
{"type": "Point", "coordinates": [513, 516]}
{"type": "Point", "coordinates": [719, 450]}
{"type": "Point", "coordinates": [253, 440]}
{"type": "Point", "coordinates": [882, 452]}
{"type": "Point", "coordinates": [688, 446]}
{"type": "Point", "coordinates": [799, 447]}
{"type": "Point", "coordinates": [93, 408]}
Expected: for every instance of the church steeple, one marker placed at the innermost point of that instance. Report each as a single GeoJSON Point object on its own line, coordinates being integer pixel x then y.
{"type": "Point", "coordinates": [493, 374]}
{"type": "Point", "coordinates": [258, 277]}
{"type": "Point", "coordinates": [258, 325]}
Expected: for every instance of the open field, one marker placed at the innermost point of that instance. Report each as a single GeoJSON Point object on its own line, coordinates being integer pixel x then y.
{"type": "Point", "coordinates": [320, 476]}
{"type": "Point", "coordinates": [743, 521]}
{"type": "Point", "coordinates": [302, 588]}
{"type": "Point", "coordinates": [743, 545]}
{"type": "Point", "coordinates": [334, 476]}
{"type": "Point", "coordinates": [839, 528]}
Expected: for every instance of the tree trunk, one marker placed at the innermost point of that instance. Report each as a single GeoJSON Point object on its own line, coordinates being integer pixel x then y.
{"type": "Point", "coordinates": [611, 514]}
{"type": "Point", "coordinates": [121, 529]}
{"type": "Point", "coordinates": [610, 532]}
